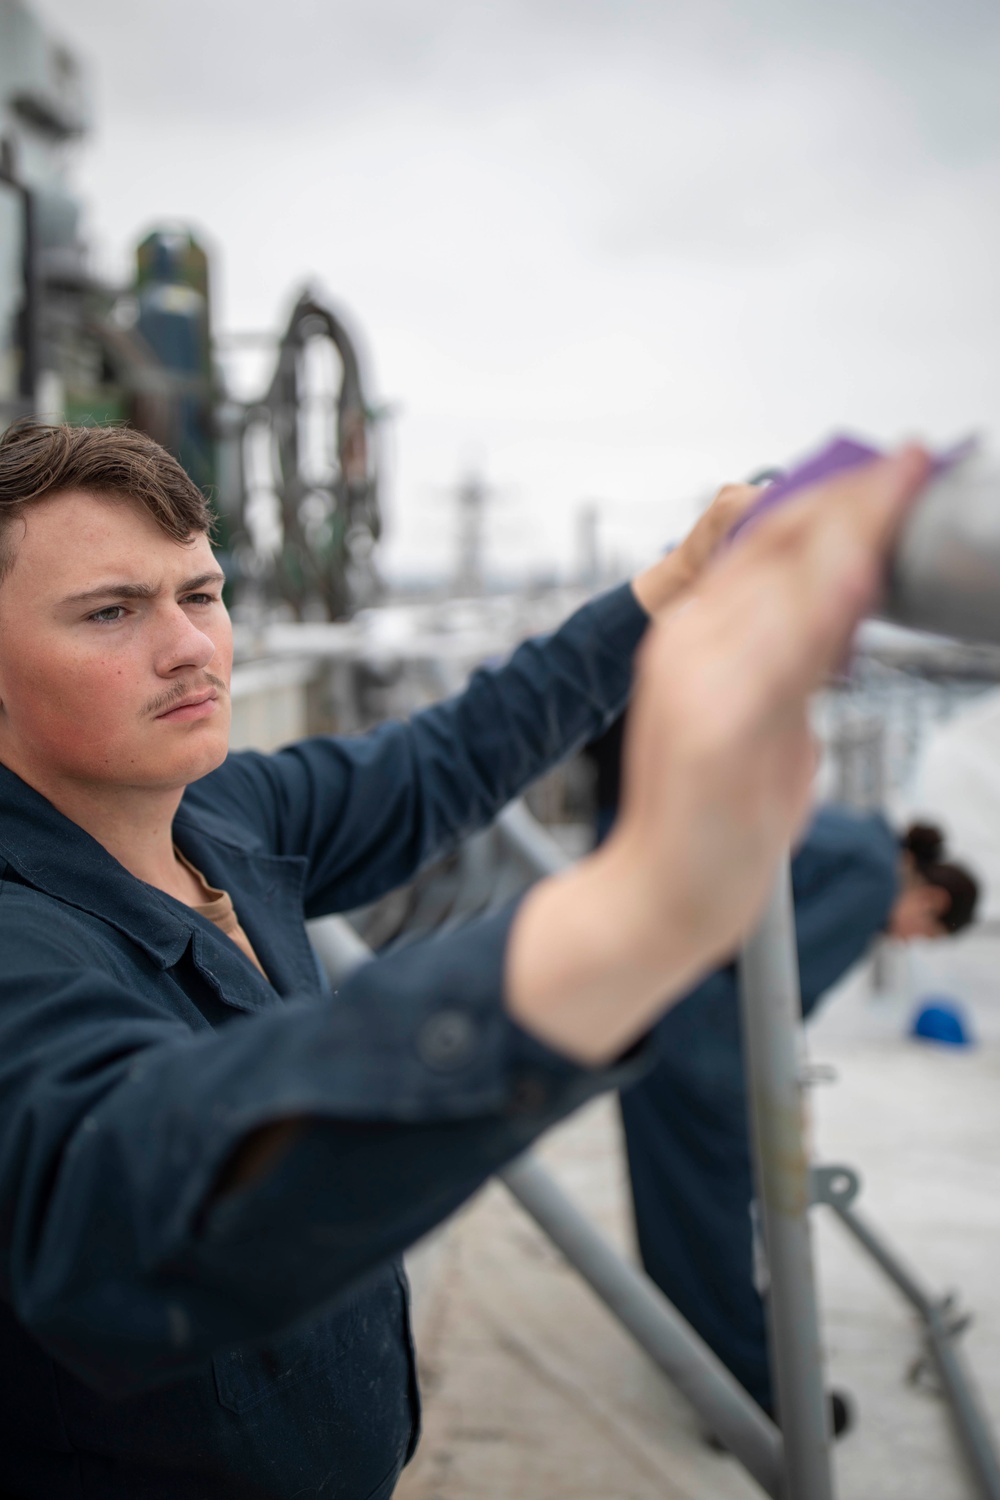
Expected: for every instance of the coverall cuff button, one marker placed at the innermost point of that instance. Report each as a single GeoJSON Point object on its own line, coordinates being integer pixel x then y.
{"type": "Point", "coordinates": [528, 1096]}
{"type": "Point", "coordinates": [446, 1040]}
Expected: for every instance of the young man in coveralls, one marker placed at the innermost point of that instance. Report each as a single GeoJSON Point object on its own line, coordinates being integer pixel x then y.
{"type": "Point", "coordinates": [209, 1165]}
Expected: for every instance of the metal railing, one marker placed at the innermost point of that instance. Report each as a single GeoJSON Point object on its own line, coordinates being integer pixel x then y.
{"type": "Point", "coordinates": [793, 1463]}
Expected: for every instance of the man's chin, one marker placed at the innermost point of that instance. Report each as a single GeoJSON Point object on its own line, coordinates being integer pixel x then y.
{"type": "Point", "coordinates": [187, 765]}
{"type": "Point", "coordinates": [209, 757]}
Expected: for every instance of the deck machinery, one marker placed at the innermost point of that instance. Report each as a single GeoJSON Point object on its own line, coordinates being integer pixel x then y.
{"type": "Point", "coordinates": [75, 348]}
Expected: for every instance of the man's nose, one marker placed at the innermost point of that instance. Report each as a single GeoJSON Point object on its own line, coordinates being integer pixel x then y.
{"type": "Point", "coordinates": [181, 644]}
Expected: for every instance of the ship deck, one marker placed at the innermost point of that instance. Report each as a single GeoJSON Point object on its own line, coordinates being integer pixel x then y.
{"type": "Point", "coordinates": [533, 1391]}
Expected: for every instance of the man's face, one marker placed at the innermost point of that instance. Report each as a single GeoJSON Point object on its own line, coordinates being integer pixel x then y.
{"type": "Point", "coordinates": [115, 650]}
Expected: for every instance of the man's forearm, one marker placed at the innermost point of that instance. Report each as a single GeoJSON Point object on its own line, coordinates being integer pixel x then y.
{"type": "Point", "coordinates": [589, 963]}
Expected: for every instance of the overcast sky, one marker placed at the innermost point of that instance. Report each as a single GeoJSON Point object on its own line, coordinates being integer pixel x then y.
{"type": "Point", "coordinates": [609, 250]}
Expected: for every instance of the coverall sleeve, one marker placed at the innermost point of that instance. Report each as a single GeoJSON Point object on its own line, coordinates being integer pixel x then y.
{"type": "Point", "coordinates": [368, 811]}
{"type": "Point", "coordinates": [115, 1121]}
{"type": "Point", "coordinates": [844, 878]}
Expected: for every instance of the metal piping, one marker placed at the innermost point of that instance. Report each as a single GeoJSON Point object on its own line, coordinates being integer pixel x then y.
{"type": "Point", "coordinates": [640, 1306]}
{"type": "Point", "coordinates": [945, 573]}
{"type": "Point", "coordinates": [837, 1187]}
{"type": "Point", "coordinates": [772, 1032]}
{"type": "Point", "coordinates": [29, 372]}
{"type": "Point", "coordinates": [719, 1399]}
{"type": "Point", "coordinates": [787, 1187]}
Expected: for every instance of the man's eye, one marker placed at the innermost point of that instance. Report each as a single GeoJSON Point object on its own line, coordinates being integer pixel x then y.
{"type": "Point", "coordinates": [199, 599]}
{"type": "Point", "coordinates": [109, 614]}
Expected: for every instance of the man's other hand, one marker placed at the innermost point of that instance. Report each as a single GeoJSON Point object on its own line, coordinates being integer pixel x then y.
{"type": "Point", "coordinates": [661, 585]}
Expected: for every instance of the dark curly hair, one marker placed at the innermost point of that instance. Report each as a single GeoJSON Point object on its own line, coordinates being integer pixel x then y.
{"type": "Point", "coordinates": [925, 845]}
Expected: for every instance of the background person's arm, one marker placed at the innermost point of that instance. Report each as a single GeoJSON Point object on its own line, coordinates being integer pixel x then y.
{"type": "Point", "coordinates": [845, 880]}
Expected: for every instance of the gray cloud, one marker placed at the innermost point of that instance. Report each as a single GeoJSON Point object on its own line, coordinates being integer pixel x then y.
{"type": "Point", "coordinates": [257, 59]}
{"type": "Point", "coordinates": [624, 247]}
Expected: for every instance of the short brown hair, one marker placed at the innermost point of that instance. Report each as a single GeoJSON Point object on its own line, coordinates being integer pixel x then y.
{"type": "Point", "coordinates": [37, 461]}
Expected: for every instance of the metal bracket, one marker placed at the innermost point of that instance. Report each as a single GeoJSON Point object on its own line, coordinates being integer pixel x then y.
{"type": "Point", "coordinates": [939, 1367]}
{"type": "Point", "coordinates": [836, 1186]}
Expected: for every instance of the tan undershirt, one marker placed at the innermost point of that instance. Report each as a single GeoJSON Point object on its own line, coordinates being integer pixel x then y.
{"type": "Point", "coordinates": [217, 908]}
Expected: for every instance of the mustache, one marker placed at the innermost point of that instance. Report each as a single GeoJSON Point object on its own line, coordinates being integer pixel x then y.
{"type": "Point", "coordinates": [164, 701]}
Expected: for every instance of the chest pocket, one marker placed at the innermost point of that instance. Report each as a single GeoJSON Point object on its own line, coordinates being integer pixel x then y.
{"type": "Point", "coordinates": [247, 1377]}
{"type": "Point", "coordinates": [337, 1392]}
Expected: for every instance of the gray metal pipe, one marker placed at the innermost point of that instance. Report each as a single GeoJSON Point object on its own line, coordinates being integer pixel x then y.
{"type": "Point", "coordinates": [838, 1186]}
{"type": "Point", "coordinates": [945, 574]}
{"type": "Point", "coordinates": [531, 841]}
{"type": "Point", "coordinates": [637, 1302]}
{"type": "Point", "coordinates": [667, 1338]}
{"type": "Point", "coordinates": [973, 1432]}
{"type": "Point", "coordinates": [772, 1041]}
{"type": "Point", "coordinates": [338, 947]}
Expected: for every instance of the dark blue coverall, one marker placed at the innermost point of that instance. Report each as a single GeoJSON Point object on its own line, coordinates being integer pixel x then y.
{"type": "Point", "coordinates": [686, 1122]}
{"type": "Point", "coordinates": [158, 1341]}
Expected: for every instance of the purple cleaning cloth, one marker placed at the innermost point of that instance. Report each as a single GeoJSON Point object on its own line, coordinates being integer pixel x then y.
{"type": "Point", "coordinates": [839, 455]}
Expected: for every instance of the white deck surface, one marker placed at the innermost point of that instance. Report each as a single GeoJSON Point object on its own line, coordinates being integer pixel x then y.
{"type": "Point", "coordinates": [533, 1392]}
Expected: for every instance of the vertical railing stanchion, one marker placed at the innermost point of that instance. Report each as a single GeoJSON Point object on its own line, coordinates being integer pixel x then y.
{"type": "Point", "coordinates": [772, 1043]}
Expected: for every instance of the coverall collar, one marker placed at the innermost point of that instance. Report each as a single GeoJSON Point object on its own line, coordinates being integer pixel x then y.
{"type": "Point", "coordinates": [55, 855]}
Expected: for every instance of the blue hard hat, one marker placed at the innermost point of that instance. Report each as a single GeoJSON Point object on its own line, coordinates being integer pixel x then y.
{"type": "Point", "coordinates": [940, 1018]}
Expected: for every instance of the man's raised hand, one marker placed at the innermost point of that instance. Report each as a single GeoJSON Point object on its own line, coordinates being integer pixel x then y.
{"type": "Point", "coordinates": [717, 771]}
{"type": "Point", "coordinates": [661, 585]}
